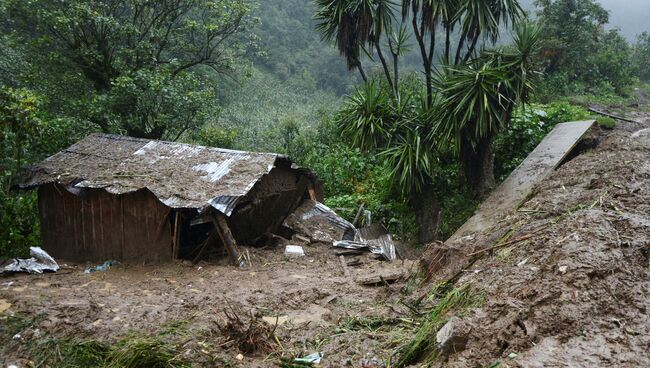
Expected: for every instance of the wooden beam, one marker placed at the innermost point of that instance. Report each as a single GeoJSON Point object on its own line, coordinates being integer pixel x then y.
{"type": "Point", "coordinates": [176, 236]}
{"type": "Point", "coordinates": [222, 229]}
{"type": "Point", "coordinates": [312, 193]}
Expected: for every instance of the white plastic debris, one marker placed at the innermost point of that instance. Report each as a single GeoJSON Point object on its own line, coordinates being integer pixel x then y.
{"type": "Point", "coordinates": [310, 359]}
{"type": "Point", "coordinates": [294, 251]}
{"type": "Point", "coordinates": [40, 261]}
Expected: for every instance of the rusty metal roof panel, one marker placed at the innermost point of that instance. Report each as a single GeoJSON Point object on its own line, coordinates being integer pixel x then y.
{"type": "Point", "coordinates": [180, 175]}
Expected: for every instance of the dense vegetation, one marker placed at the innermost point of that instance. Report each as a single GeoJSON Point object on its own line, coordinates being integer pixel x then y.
{"type": "Point", "coordinates": [236, 74]}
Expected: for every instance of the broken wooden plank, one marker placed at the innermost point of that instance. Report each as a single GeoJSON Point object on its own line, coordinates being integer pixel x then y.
{"type": "Point", "coordinates": [381, 279]}
{"type": "Point", "coordinates": [221, 227]}
{"type": "Point", "coordinates": [546, 157]}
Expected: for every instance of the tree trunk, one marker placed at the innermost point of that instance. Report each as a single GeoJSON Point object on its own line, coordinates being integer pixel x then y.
{"type": "Point", "coordinates": [427, 214]}
{"type": "Point", "coordinates": [478, 165]}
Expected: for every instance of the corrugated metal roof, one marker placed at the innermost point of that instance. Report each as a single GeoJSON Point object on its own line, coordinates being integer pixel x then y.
{"type": "Point", "coordinates": [180, 175]}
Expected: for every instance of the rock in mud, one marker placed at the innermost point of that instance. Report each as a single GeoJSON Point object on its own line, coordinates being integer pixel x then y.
{"type": "Point", "coordinates": [452, 337]}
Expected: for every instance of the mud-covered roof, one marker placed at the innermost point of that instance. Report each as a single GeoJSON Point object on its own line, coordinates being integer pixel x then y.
{"type": "Point", "coordinates": [180, 175]}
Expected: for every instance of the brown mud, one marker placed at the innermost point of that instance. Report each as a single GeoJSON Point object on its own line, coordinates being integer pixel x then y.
{"type": "Point", "coordinates": [309, 297]}
{"type": "Point", "coordinates": [568, 284]}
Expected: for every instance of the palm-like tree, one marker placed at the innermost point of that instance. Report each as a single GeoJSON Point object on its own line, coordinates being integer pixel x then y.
{"type": "Point", "coordinates": [355, 26]}
{"type": "Point", "coordinates": [477, 100]}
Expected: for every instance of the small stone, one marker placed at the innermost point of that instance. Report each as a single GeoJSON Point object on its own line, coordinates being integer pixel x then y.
{"type": "Point", "coordinates": [452, 337]}
{"type": "Point", "coordinates": [239, 357]}
{"type": "Point", "coordinates": [563, 269]}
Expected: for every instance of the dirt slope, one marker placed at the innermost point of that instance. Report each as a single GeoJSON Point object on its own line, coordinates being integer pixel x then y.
{"type": "Point", "coordinates": [574, 291]}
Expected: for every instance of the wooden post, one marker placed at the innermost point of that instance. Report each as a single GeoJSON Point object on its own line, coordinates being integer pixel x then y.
{"type": "Point", "coordinates": [176, 236]}
{"type": "Point", "coordinates": [312, 193]}
{"type": "Point", "coordinates": [221, 227]}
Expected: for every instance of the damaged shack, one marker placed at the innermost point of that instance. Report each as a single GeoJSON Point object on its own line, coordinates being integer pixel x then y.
{"type": "Point", "coordinates": [139, 200]}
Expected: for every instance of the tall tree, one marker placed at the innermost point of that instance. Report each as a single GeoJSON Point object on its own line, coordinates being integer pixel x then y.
{"type": "Point", "coordinates": [146, 63]}
{"type": "Point", "coordinates": [357, 28]}
{"type": "Point", "coordinates": [572, 29]}
{"type": "Point", "coordinates": [477, 101]}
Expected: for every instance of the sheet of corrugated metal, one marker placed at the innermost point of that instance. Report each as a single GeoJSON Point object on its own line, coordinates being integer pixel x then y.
{"type": "Point", "coordinates": [179, 175]}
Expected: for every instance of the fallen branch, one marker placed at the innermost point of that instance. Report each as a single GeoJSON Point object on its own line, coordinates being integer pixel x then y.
{"type": "Point", "coordinates": [591, 109]}
{"type": "Point", "coordinates": [509, 242]}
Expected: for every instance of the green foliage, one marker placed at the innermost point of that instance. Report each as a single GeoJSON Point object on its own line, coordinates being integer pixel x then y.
{"type": "Point", "coordinates": [144, 352]}
{"type": "Point", "coordinates": [641, 56]}
{"type": "Point", "coordinates": [146, 69]}
{"type": "Point", "coordinates": [526, 130]}
{"type": "Point", "coordinates": [258, 109]}
{"type": "Point", "coordinates": [27, 134]}
{"type": "Point", "coordinates": [422, 346]}
{"type": "Point", "coordinates": [129, 352]}
{"type": "Point", "coordinates": [606, 122]}
{"type": "Point", "coordinates": [213, 136]}
{"type": "Point", "coordinates": [353, 178]}
{"type": "Point", "coordinates": [292, 50]}
{"type": "Point", "coordinates": [578, 54]}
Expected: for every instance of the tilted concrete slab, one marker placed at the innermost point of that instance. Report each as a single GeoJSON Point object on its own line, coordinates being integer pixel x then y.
{"type": "Point", "coordinates": [513, 191]}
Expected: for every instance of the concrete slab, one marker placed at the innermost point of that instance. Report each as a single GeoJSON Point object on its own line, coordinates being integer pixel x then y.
{"type": "Point", "coordinates": [513, 191]}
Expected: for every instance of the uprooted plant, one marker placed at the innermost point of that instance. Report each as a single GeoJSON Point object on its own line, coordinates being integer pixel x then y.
{"type": "Point", "coordinates": [250, 335]}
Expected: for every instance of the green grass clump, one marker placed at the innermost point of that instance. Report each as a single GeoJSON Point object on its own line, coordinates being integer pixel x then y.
{"type": "Point", "coordinates": [423, 344]}
{"type": "Point", "coordinates": [68, 353]}
{"type": "Point", "coordinates": [144, 352]}
{"type": "Point", "coordinates": [606, 122]}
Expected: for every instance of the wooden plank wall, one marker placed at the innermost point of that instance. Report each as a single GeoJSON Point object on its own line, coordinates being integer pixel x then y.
{"type": "Point", "coordinates": [98, 226]}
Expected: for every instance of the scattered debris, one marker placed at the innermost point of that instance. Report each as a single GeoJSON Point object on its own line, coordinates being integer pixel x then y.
{"type": "Point", "coordinates": [4, 305]}
{"type": "Point", "coordinates": [102, 267]}
{"type": "Point", "coordinates": [294, 251]}
{"type": "Point", "coordinates": [319, 223]}
{"type": "Point", "coordinates": [250, 337]}
{"type": "Point", "coordinates": [313, 358]}
{"type": "Point", "coordinates": [40, 261]}
{"type": "Point", "coordinates": [276, 320]}
{"type": "Point", "coordinates": [376, 280]}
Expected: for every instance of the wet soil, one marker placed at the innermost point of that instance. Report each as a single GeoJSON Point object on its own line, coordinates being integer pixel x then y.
{"type": "Point", "coordinates": [310, 297]}
{"type": "Point", "coordinates": [574, 291]}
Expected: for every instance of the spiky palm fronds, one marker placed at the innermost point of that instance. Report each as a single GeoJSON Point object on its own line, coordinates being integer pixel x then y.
{"type": "Point", "coordinates": [353, 24]}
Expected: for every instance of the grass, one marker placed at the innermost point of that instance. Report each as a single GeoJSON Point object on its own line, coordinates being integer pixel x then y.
{"type": "Point", "coordinates": [370, 324]}
{"type": "Point", "coordinates": [422, 346]}
{"type": "Point", "coordinates": [605, 122]}
{"type": "Point", "coordinates": [144, 352]}
{"type": "Point", "coordinates": [130, 352]}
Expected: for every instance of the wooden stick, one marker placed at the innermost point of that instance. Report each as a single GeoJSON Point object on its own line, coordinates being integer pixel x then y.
{"type": "Point", "coordinates": [510, 242]}
{"type": "Point", "coordinates": [312, 193]}
{"type": "Point", "coordinates": [221, 226]}
{"type": "Point", "coordinates": [176, 239]}
{"type": "Point", "coordinates": [204, 246]}
{"type": "Point", "coordinates": [358, 215]}
{"type": "Point", "coordinates": [591, 109]}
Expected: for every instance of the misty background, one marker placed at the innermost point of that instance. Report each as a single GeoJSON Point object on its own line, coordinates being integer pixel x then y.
{"type": "Point", "coordinates": [632, 17]}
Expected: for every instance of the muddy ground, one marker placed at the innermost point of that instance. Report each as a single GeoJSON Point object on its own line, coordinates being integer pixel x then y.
{"type": "Point", "coordinates": [317, 307]}
{"type": "Point", "coordinates": [568, 284]}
